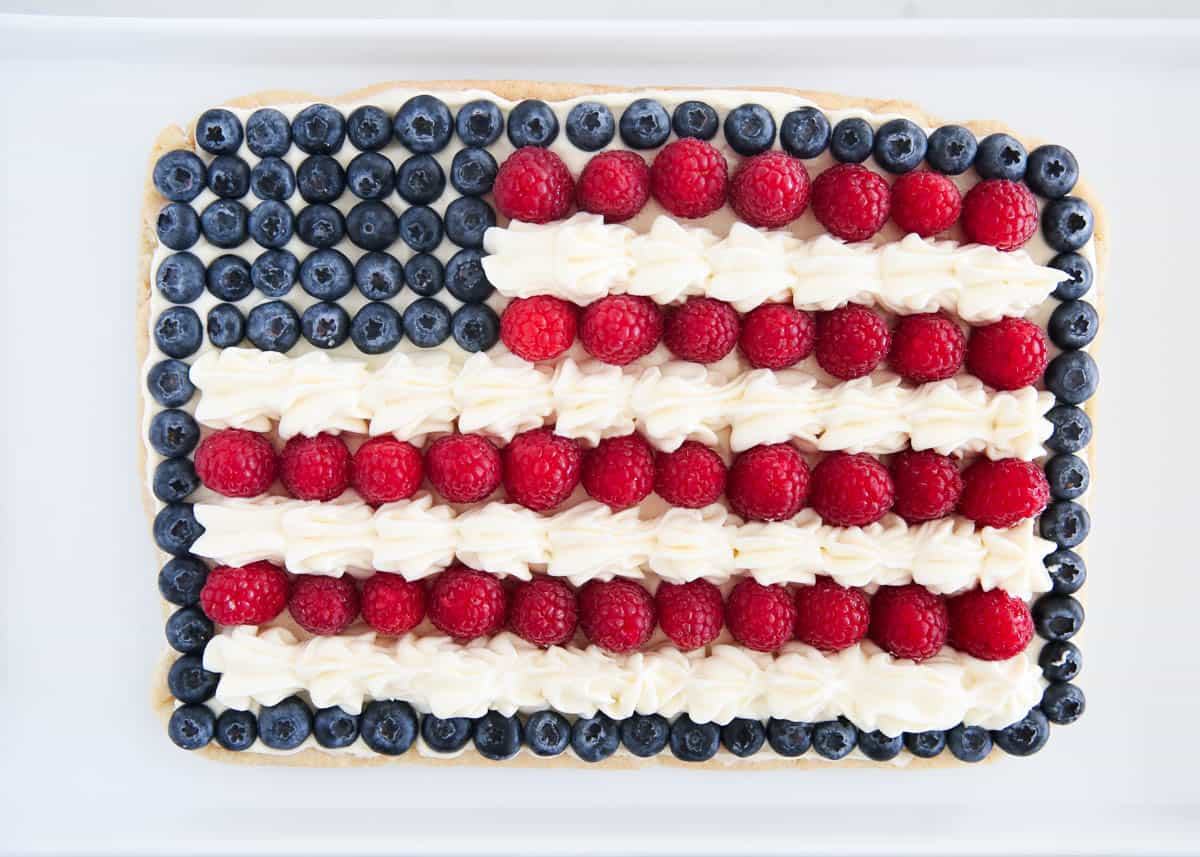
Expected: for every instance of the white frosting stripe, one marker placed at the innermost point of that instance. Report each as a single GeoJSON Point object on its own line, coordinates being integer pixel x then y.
{"type": "Point", "coordinates": [583, 259]}
{"type": "Point", "coordinates": [417, 538]}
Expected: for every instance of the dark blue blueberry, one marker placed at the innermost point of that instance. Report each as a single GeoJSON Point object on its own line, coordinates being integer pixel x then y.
{"type": "Point", "coordinates": [476, 327]}
{"type": "Point", "coordinates": [479, 123]}
{"type": "Point", "coordinates": [325, 325]}
{"type": "Point", "coordinates": [925, 745]}
{"type": "Point", "coordinates": [236, 730]}
{"type": "Point", "coordinates": [852, 141]}
{"type": "Point", "coordinates": [421, 229]}
{"type": "Point", "coordinates": [447, 735]}
{"type": "Point", "coordinates": [377, 328]}
{"type": "Point", "coordinates": [1068, 477]}
{"type": "Point", "coordinates": [224, 223]}
{"type": "Point", "coordinates": [879, 747]}
{"type": "Point", "coordinates": [805, 133]}
{"type": "Point", "coordinates": [181, 579]}
{"type": "Point", "coordinates": [1067, 571]}
{"type": "Point", "coordinates": [1072, 377]}
{"type": "Point", "coordinates": [176, 528]}
{"type": "Point", "coordinates": [532, 123]}
{"type": "Point", "coordinates": [1079, 276]}
{"type": "Point", "coordinates": [789, 738]}
{"type": "Point", "coordinates": [273, 326]}
{"type": "Point", "coordinates": [1025, 737]}
{"type": "Point", "coordinates": [590, 126]}
{"type": "Point", "coordinates": [644, 125]}
{"type": "Point", "coordinates": [497, 737]}
{"type": "Point", "coordinates": [177, 226]}
{"type": "Point", "coordinates": [371, 176]}
{"type": "Point", "coordinates": [692, 741]}
{"type": "Point", "coordinates": [178, 332]}
{"type": "Point", "coordinates": [326, 275]}
{"type": "Point", "coordinates": [174, 479]}
{"type": "Point", "coordinates": [274, 272]}
{"type": "Point", "coordinates": [334, 728]}
{"type": "Point", "coordinates": [834, 739]}
{"type": "Point", "coordinates": [1065, 523]}
{"type": "Point", "coordinates": [226, 326]}
{"type": "Point", "coordinates": [969, 743]}
{"type": "Point", "coordinates": [594, 739]}
{"type": "Point", "coordinates": [1073, 324]}
{"type": "Point", "coordinates": [191, 726]}
{"type": "Point", "coordinates": [1067, 223]}
{"type": "Point", "coordinates": [218, 131]}
{"type": "Point", "coordinates": [1060, 660]}
{"type": "Point", "coordinates": [180, 278]}
{"type": "Point", "coordinates": [952, 149]}
{"type": "Point", "coordinates": [320, 179]}
{"type": "Point", "coordinates": [426, 323]}
{"type": "Point", "coordinates": [900, 146]}
{"type": "Point", "coordinates": [749, 129]}
{"type": "Point", "coordinates": [371, 225]}
{"type": "Point", "coordinates": [743, 737]}
{"type": "Point", "coordinates": [645, 735]}
{"type": "Point", "coordinates": [547, 733]}
{"type": "Point", "coordinates": [1001, 156]}
{"type": "Point", "coordinates": [1072, 428]}
{"type": "Point", "coordinates": [388, 726]}
{"type": "Point", "coordinates": [423, 124]}
{"type": "Point", "coordinates": [319, 129]}
{"type": "Point", "coordinates": [465, 277]}
{"type": "Point", "coordinates": [369, 128]}
{"type": "Point", "coordinates": [229, 278]}
{"type": "Point", "coordinates": [1052, 171]}
{"type": "Point", "coordinates": [179, 175]}
{"type": "Point", "coordinates": [1057, 617]}
{"type": "Point", "coordinates": [272, 178]}
{"type": "Point", "coordinates": [173, 433]}
{"type": "Point", "coordinates": [285, 725]}
{"type": "Point", "coordinates": [229, 177]}
{"type": "Point", "coordinates": [190, 682]}
{"type": "Point", "coordinates": [378, 276]}
{"type": "Point", "coordinates": [695, 119]}
{"type": "Point", "coordinates": [1063, 703]}
{"type": "Point", "coordinates": [320, 225]}
{"type": "Point", "coordinates": [424, 274]}
{"type": "Point", "coordinates": [189, 630]}
{"type": "Point", "coordinates": [271, 224]}
{"type": "Point", "coordinates": [473, 171]}
{"type": "Point", "coordinates": [467, 218]}
{"type": "Point", "coordinates": [268, 133]}
{"type": "Point", "coordinates": [420, 180]}
{"type": "Point", "coordinates": [169, 384]}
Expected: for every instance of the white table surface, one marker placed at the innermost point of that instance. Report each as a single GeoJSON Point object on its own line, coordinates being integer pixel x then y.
{"type": "Point", "coordinates": [85, 766]}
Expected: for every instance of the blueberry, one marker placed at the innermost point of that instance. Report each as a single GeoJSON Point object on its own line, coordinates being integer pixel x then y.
{"type": "Point", "coordinates": [388, 726]}
{"type": "Point", "coordinates": [226, 326]}
{"type": "Point", "coordinates": [1025, 737]}
{"type": "Point", "coordinates": [224, 223]}
{"type": "Point", "coordinates": [326, 275]}
{"type": "Point", "coordinates": [547, 733]}
{"type": "Point", "coordinates": [900, 146]}
{"type": "Point", "coordinates": [334, 728]}
{"type": "Point", "coordinates": [271, 224]}
{"type": "Point", "coordinates": [1060, 660]}
{"type": "Point", "coordinates": [378, 276]}
{"type": "Point", "coordinates": [173, 433]}
{"type": "Point", "coordinates": [229, 278]}
{"type": "Point", "coordinates": [189, 630]}
{"type": "Point", "coordinates": [1067, 571]}
{"type": "Point", "coordinates": [377, 328]}
{"type": "Point", "coordinates": [423, 124]}
{"type": "Point", "coordinates": [969, 743]}
{"type": "Point", "coordinates": [925, 745]}
{"type": "Point", "coordinates": [320, 225]}
{"type": "Point", "coordinates": [473, 171]}
{"type": "Point", "coordinates": [1067, 223]}
{"type": "Point", "coordinates": [218, 131]}
{"type": "Point", "coordinates": [1072, 428]}
{"type": "Point", "coordinates": [644, 125]}
{"type": "Point", "coordinates": [369, 128]}
{"type": "Point", "coordinates": [229, 176]}
{"type": "Point", "coordinates": [325, 325]}
{"type": "Point", "coordinates": [789, 738]}
{"type": "Point", "coordinates": [319, 129]}
{"type": "Point", "coordinates": [190, 682]}
{"type": "Point", "coordinates": [479, 123]}
{"type": "Point", "coordinates": [178, 332]}
{"type": "Point", "coordinates": [1052, 171]}
{"type": "Point", "coordinates": [645, 735]}
{"type": "Point", "coordinates": [532, 123]}
{"type": "Point", "coordinates": [285, 725]}
{"type": "Point", "coordinates": [1073, 324]}
{"type": "Point", "coordinates": [273, 326]}
{"type": "Point", "coordinates": [749, 129]}
{"type": "Point", "coordinates": [1072, 377]}
{"type": "Point", "coordinates": [594, 739]}
{"type": "Point", "coordinates": [476, 327]}
{"type": "Point", "coordinates": [447, 735]}
{"type": "Point", "coordinates": [467, 218]}
{"type": "Point", "coordinates": [424, 274]}
{"type": "Point", "coordinates": [426, 323]}
{"type": "Point", "coordinates": [320, 179]}
{"type": "Point", "coordinates": [371, 225]}
{"type": "Point", "coordinates": [191, 726]}
{"type": "Point", "coordinates": [371, 176]}
{"type": "Point", "coordinates": [590, 126]}
{"type": "Point", "coordinates": [1068, 477]}
{"type": "Point", "coordinates": [1065, 523]}
{"type": "Point", "coordinates": [497, 737]}
{"type": "Point", "coordinates": [804, 133]}
{"type": "Point", "coordinates": [834, 739]}
{"type": "Point", "coordinates": [1001, 156]}
{"type": "Point", "coordinates": [952, 149]}
{"type": "Point", "coordinates": [1079, 276]}
{"type": "Point", "coordinates": [692, 741]}
{"type": "Point", "coordinates": [743, 737]}
{"type": "Point", "coordinates": [177, 226]}
{"type": "Point", "coordinates": [181, 579]}
{"type": "Point", "coordinates": [421, 229]}
{"type": "Point", "coordinates": [274, 272]}
{"type": "Point", "coordinates": [1057, 617]}
{"type": "Point", "coordinates": [176, 528]}
{"type": "Point", "coordinates": [695, 119]}
{"type": "Point", "coordinates": [169, 384]}
{"type": "Point", "coordinates": [465, 277]}
{"type": "Point", "coordinates": [272, 178]}
{"type": "Point", "coordinates": [180, 278]}
{"type": "Point", "coordinates": [268, 133]}
{"type": "Point", "coordinates": [420, 180]}
{"type": "Point", "coordinates": [174, 479]}
{"type": "Point", "coordinates": [879, 747]}
{"type": "Point", "coordinates": [236, 730]}
{"type": "Point", "coordinates": [852, 141]}
{"type": "Point", "coordinates": [1063, 703]}
{"type": "Point", "coordinates": [179, 175]}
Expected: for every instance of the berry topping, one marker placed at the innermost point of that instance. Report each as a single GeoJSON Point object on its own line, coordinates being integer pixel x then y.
{"type": "Point", "coordinates": [768, 483]}
{"type": "Point", "coordinates": [376, 329]}
{"type": "Point", "coordinates": [760, 617]}
{"type": "Point", "coordinates": [927, 485]}
{"type": "Point", "coordinates": [547, 733]}
{"type": "Point", "coordinates": [371, 176]}
{"type": "Point", "coordinates": [174, 479]}
{"type": "Point", "coordinates": [590, 126]}
{"type": "Point", "coordinates": [1063, 703]}
{"type": "Point", "coordinates": [392, 605]}
{"type": "Point", "coordinates": [692, 476]}
{"type": "Point", "coordinates": [182, 578]}
{"type": "Point", "coordinates": [1068, 476]}
{"type": "Point", "coordinates": [789, 738]}
{"type": "Point", "coordinates": [178, 332]}
{"type": "Point", "coordinates": [1052, 171]}
{"type": "Point", "coordinates": [190, 682]}
{"type": "Point", "coordinates": [325, 325]}
{"type": "Point", "coordinates": [776, 336]}
{"type": "Point", "coordinates": [319, 129]}
{"type": "Point", "coordinates": [851, 341]}
{"type": "Point", "coordinates": [333, 727]}
{"type": "Point", "coordinates": [692, 741]}
{"type": "Point", "coordinates": [285, 725]}
{"type": "Point", "coordinates": [595, 738]}
{"type": "Point", "coordinates": [1060, 660]}
{"type": "Point", "coordinates": [619, 472]}
{"type": "Point", "coordinates": [769, 190]}
{"type": "Point", "coordinates": [908, 621]}
{"type": "Point", "coordinates": [1057, 617]}
{"type": "Point", "coordinates": [852, 140]}
{"type": "Point", "coordinates": [879, 747]}
{"type": "Point", "coordinates": [691, 614]}
{"type": "Point", "coordinates": [473, 172]}
{"type": "Point", "coordinates": [378, 276]}
{"type": "Point", "coordinates": [420, 180]}
{"type": "Point", "coordinates": [315, 468]}
{"type": "Point", "coordinates": [1065, 523]}
{"type": "Point", "coordinates": [1067, 224]}
{"type": "Point", "coordinates": [425, 274]}
{"type": "Point", "coordinates": [543, 611]}
{"type": "Point", "coordinates": [804, 133]}
{"type": "Point", "coordinates": [218, 131]}
{"type": "Point", "coordinates": [178, 227]}
{"type": "Point", "coordinates": [538, 328]}
{"type": "Point", "coordinates": [619, 329]}
{"type": "Point", "coordinates": [191, 726]}
{"type": "Point", "coordinates": [743, 737]}
{"type": "Point", "coordinates": [479, 123]}
{"type": "Point", "coordinates": [320, 178]}
{"type": "Point", "coordinates": [927, 347]}
{"type": "Point", "coordinates": [749, 129]}
{"type": "Point", "coordinates": [532, 123]}
{"type": "Point", "coordinates": [1003, 493]}
{"type": "Point", "coordinates": [702, 330]}
{"type": "Point", "coordinates": [1000, 156]}
{"type": "Point", "coordinates": [426, 323]}
{"type": "Point", "coordinates": [1072, 377]}
{"type": "Point", "coordinates": [1001, 213]}
{"type": "Point", "coordinates": [384, 470]}
{"type": "Point", "coordinates": [317, 226]}
{"type": "Point", "coordinates": [176, 528]}
{"type": "Point", "coordinates": [925, 745]}
{"type": "Point", "coordinates": [229, 176]}
{"type": "Point", "coordinates": [851, 490]}
{"type": "Point", "coordinates": [326, 275]}
{"type": "Point", "coordinates": [465, 603]}
{"type": "Point", "coordinates": [497, 737]}
{"type": "Point", "coordinates": [1073, 324]}
{"type": "Point", "coordinates": [616, 615]}
{"type": "Point", "coordinates": [645, 124]}
{"type": "Point", "coordinates": [188, 630]}
{"type": "Point", "coordinates": [830, 617]}
{"type": "Point", "coordinates": [369, 128]}
{"type": "Point", "coordinates": [645, 735]}
{"type": "Point", "coordinates": [463, 468]}
{"type": "Point", "coordinates": [615, 184]}
{"type": "Point", "coordinates": [475, 327]}
{"type": "Point", "coordinates": [1007, 354]}
{"type": "Point", "coordinates": [388, 726]}
{"type": "Point", "coordinates": [969, 743]}
{"type": "Point", "coordinates": [423, 124]}
{"type": "Point", "coordinates": [695, 119]}
{"type": "Point", "coordinates": [991, 626]}
{"type": "Point", "coordinates": [236, 463]}
{"type": "Point", "coordinates": [541, 468]}
{"type": "Point", "coordinates": [168, 382]}
{"type": "Point", "coordinates": [179, 175]}
{"type": "Point", "coordinates": [244, 595]}
{"type": "Point", "coordinates": [899, 146]}
{"type": "Point", "coordinates": [952, 149]}
{"type": "Point", "coordinates": [180, 278]}
{"type": "Point", "coordinates": [689, 177]}
{"type": "Point", "coordinates": [323, 605]}
{"type": "Point", "coordinates": [851, 202]}
{"type": "Point", "coordinates": [533, 185]}
{"type": "Point", "coordinates": [925, 202]}
{"type": "Point", "coordinates": [272, 178]}
{"type": "Point", "coordinates": [238, 730]}
{"type": "Point", "coordinates": [1026, 736]}
{"type": "Point", "coordinates": [447, 735]}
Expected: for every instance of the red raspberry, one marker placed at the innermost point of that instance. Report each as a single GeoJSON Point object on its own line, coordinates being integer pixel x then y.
{"type": "Point", "coordinates": [851, 490]}
{"type": "Point", "coordinates": [1003, 493]}
{"type": "Point", "coordinates": [991, 626]}
{"type": "Point", "coordinates": [236, 463]}
{"type": "Point", "coordinates": [925, 202]}
{"type": "Point", "coordinates": [1008, 354]}
{"type": "Point", "coordinates": [851, 202]}
{"type": "Point", "coordinates": [769, 190]}
{"type": "Point", "coordinates": [392, 605]}
{"type": "Point", "coordinates": [323, 605]}
{"type": "Point", "coordinates": [688, 178]}
{"type": "Point", "coordinates": [385, 470]}
{"type": "Point", "coordinates": [927, 347]}
{"type": "Point", "coordinates": [615, 184]}
{"type": "Point", "coordinates": [541, 468]}
{"type": "Point", "coordinates": [463, 468]}
{"type": "Point", "coordinates": [543, 611]}
{"type": "Point", "coordinates": [830, 617]}
{"type": "Point", "coordinates": [1001, 213]}
{"type": "Point", "coordinates": [619, 329]}
{"type": "Point", "coordinates": [619, 471]}
{"type": "Point", "coordinates": [927, 485]}
{"type": "Point", "coordinates": [776, 336]}
{"type": "Point", "coordinates": [760, 617]}
{"type": "Point", "coordinates": [533, 185]}
{"type": "Point", "coordinates": [465, 603]}
{"type": "Point", "coordinates": [908, 621]}
{"type": "Point", "coordinates": [690, 614]}
{"type": "Point", "coordinates": [692, 476]}
{"type": "Point", "coordinates": [768, 482]}
{"type": "Point", "coordinates": [538, 328]}
{"type": "Point", "coordinates": [244, 595]}
{"type": "Point", "coordinates": [851, 341]}
{"type": "Point", "coordinates": [617, 615]}
{"type": "Point", "coordinates": [702, 330]}
{"type": "Point", "coordinates": [315, 468]}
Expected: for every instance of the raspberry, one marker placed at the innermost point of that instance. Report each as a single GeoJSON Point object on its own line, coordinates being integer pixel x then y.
{"type": "Point", "coordinates": [244, 595]}
{"type": "Point", "coordinates": [323, 605]}
{"type": "Point", "coordinates": [1001, 213]}
{"type": "Point", "coordinates": [533, 185]}
{"type": "Point", "coordinates": [702, 330]}
{"type": "Point", "coordinates": [851, 490]}
{"type": "Point", "coordinates": [927, 486]}
{"type": "Point", "coordinates": [991, 626]}
{"type": "Point", "coordinates": [620, 328]}
{"type": "Point", "coordinates": [776, 336]}
{"type": "Point", "coordinates": [851, 341]}
{"type": "Point", "coordinates": [760, 617]}
{"type": "Point", "coordinates": [768, 483]}
{"type": "Point", "coordinates": [315, 468]}
{"type": "Point", "coordinates": [463, 468]}
{"type": "Point", "coordinates": [616, 615]}
{"type": "Point", "coordinates": [385, 470]}
{"type": "Point", "coordinates": [692, 476]}
{"type": "Point", "coordinates": [236, 463]}
{"type": "Point", "coordinates": [927, 347]}
{"type": "Point", "coordinates": [615, 184]}
{"type": "Point", "coordinates": [851, 202]}
{"type": "Point", "coordinates": [619, 472]}
{"type": "Point", "coordinates": [1007, 354]}
{"type": "Point", "coordinates": [769, 190]}
{"type": "Point", "coordinates": [538, 328]}
{"type": "Point", "coordinates": [688, 178]}
{"type": "Point", "coordinates": [465, 603]}
{"type": "Point", "coordinates": [690, 614]}
{"type": "Point", "coordinates": [541, 468]}
{"type": "Point", "coordinates": [392, 605]}
{"type": "Point", "coordinates": [908, 621]}
{"type": "Point", "coordinates": [830, 617]}
{"type": "Point", "coordinates": [543, 611]}
{"type": "Point", "coordinates": [1003, 493]}
{"type": "Point", "coordinates": [925, 202]}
